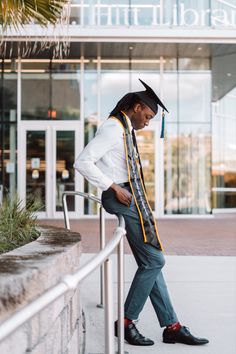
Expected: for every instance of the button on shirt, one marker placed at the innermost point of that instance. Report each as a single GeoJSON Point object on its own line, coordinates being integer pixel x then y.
{"type": "Point", "coordinates": [103, 161]}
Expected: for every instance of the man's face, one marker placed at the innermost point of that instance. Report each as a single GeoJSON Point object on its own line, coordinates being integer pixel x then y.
{"type": "Point", "coordinates": [141, 116]}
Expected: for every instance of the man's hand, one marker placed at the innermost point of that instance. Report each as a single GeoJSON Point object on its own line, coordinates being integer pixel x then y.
{"type": "Point", "coordinates": [124, 196]}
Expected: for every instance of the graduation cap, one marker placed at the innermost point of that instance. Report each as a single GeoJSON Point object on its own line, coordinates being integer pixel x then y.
{"type": "Point", "coordinates": [152, 101]}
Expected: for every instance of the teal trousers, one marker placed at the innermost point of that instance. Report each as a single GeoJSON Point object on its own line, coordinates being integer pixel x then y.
{"type": "Point", "coordinates": [148, 280]}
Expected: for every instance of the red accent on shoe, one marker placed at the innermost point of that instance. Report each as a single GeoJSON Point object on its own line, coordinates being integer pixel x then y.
{"type": "Point", "coordinates": [174, 326]}
{"type": "Point", "coordinates": [127, 321]}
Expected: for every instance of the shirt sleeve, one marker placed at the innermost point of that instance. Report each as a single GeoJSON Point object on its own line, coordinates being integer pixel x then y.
{"type": "Point", "coordinates": [104, 141]}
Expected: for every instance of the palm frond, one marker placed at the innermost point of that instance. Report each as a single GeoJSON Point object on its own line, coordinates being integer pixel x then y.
{"type": "Point", "coordinates": [17, 13]}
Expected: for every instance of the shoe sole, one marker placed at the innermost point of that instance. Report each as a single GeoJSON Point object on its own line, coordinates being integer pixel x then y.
{"type": "Point", "coordinates": [168, 341]}
{"type": "Point", "coordinates": [172, 342]}
{"type": "Point", "coordinates": [138, 345]}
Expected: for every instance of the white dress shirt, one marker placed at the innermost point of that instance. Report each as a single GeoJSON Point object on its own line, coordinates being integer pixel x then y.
{"type": "Point", "coordinates": [103, 161]}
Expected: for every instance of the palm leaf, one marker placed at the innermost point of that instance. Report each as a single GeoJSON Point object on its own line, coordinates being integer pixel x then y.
{"type": "Point", "coordinates": [19, 12]}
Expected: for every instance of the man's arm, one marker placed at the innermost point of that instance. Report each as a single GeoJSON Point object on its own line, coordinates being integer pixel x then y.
{"type": "Point", "coordinates": [85, 163]}
{"type": "Point", "coordinates": [94, 151]}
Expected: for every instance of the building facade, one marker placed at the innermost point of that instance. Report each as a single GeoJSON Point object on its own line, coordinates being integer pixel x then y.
{"type": "Point", "coordinates": [51, 108]}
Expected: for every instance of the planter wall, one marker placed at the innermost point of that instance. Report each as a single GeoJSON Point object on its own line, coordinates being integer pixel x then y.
{"type": "Point", "coordinates": [28, 272]}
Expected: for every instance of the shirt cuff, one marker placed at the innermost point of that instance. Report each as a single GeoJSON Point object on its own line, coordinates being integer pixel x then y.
{"type": "Point", "coordinates": [106, 183]}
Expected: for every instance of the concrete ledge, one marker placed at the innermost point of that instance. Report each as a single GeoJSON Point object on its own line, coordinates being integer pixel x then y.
{"type": "Point", "coordinates": [26, 273]}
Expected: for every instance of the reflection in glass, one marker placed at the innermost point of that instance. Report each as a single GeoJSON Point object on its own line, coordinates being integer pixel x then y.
{"type": "Point", "coordinates": [144, 13]}
{"type": "Point", "coordinates": [35, 96]}
{"type": "Point", "coordinates": [75, 12]}
{"type": "Point", "coordinates": [65, 103]}
{"type": "Point", "coordinates": [108, 13]}
{"type": "Point", "coordinates": [187, 144]}
{"type": "Point", "coordinates": [90, 207]}
{"type": "Point", "coordinates": [187, 158]}
{"type": "Point", "coordinates": [8, 97]}
{"type": "Point", "coordinates": [146, 144]}
{"type": "Point", "coordinates": [65, 154]}
{"type": "Point", "coordinates": [8, 158]}
{"type": "Point", "coordinates": [224, 13]}
{"type": "Point", "coordinates": [190, 12]}
{"type": "Point", "coordinates": [194, 96]}
{"type": "Point", "coordinates": [90, 127]}
{"type": "Point", "coordinates": [36, 166]}
{"type": "Point", "coordinates": [113, 85]}
{"type": "Point", "coordinates": [51, 92]}
{"type": "Point", "coordinates": [224, 151]}
{"type": "Point", "coordinates": [8, 149]}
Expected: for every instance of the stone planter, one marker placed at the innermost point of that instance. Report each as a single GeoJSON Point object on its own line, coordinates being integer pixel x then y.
{"type": "Point", "coordinates": [26, 273]}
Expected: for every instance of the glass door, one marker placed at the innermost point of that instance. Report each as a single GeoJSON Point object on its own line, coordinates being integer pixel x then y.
{"type": "Point", "coordinates": [36, 166]}
{"type": "Point", "coordinates": [63, 170]}
{"type": "Point", "coordinates": [46, 155]}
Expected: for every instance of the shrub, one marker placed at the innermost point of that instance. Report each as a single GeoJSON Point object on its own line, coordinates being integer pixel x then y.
{"type": "Point", "coordinates": [18, 222]}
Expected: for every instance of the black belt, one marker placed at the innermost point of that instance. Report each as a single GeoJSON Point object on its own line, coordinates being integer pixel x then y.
{"type": "Point", "coordinates": [125, 184]}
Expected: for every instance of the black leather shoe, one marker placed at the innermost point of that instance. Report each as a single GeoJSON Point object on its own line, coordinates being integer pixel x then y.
{"type": "Point", "coordinates": [132, 335]}
{"type": "Point", "coordinates": [184, 336]}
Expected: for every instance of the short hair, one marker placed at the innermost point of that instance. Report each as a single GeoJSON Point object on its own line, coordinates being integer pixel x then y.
{"type": "Point", "coordinates": [126, 102]}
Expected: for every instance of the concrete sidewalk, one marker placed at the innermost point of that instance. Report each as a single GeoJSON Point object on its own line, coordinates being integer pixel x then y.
{"type": "Point", "coordinates": [203, 291]}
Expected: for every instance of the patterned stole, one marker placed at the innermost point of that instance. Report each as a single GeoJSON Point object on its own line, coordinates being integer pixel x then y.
{"type": "Point", "coordinates": [136, 180]}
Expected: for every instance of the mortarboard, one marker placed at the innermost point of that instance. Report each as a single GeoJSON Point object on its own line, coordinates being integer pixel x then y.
{"type": "Point", "coordinates": [152, 101]}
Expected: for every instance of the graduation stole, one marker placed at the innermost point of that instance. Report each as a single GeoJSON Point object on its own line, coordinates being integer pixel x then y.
{"type": "Point", "coordinates": [135, 175]}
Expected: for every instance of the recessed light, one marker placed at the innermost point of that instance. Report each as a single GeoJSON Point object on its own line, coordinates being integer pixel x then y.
{"type": "Point", "coordinates": [199, 48]}
{"type": "Point", "coordinates": [229, 74]}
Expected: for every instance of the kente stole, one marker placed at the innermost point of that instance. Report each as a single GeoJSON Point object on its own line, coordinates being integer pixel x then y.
{"type": "Point", "coordinates": [147, 220]}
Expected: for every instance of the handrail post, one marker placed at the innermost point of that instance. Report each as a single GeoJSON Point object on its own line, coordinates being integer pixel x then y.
{"type": "Point", "coordinates": [109, 325]}
{"type": "Point", "coordinates": [120, 275]}
{"type": "Point", "coordinates": [102, 245]}
{"type": "Point", "coordinates": [65, 211]}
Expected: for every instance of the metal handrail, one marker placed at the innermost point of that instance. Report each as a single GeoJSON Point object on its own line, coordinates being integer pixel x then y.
{"type": "Point", "coordinates": [101, 227]}
{"type": "Point", "coordinates": [120, 267]}
{"type": "Point", "coordinates": [70, 282]}
{"type": "Point", "coordinates": [81, 194]}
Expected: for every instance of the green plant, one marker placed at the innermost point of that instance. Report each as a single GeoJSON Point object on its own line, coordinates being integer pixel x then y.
{"type": "Point", "coordinates": [17, 222]}
{"type": "Point", "coordinates": [20, 12]}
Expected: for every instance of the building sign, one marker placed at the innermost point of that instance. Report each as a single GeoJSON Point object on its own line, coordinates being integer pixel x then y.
{"type": "Point", "coordinates": [163, 13]}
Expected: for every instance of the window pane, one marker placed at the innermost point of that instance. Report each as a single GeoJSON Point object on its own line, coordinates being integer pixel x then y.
{"type": "Point", "coordinates": [194, 12]}
{"type": "Point", "coordinates": [91, 123]}
{"type": "Point", "coordinates": [187, 169]}
{"type": "Point", "coordinates": [8, 124]}
{"type": "Point", "coordinates": [112, 82]}
{"type": "Point", "coordinates": [8, 159]}
{"type": "Point", "coordinates": [8, 97]}
{"type": "Point", "coordinates": [194, 97]}
{"type": "Point", "coordinates": [36, 166]}
{"type": "Point", "coordinates": [146, 144]}
{"type": "Point", "coordinates": [35, 95]}
{"type": "Point", "coordinates": [224, 151]}
{"type": "Point", "coordinates": [65, 156]}
{"type": "Point", "coordinates": [50, 90]}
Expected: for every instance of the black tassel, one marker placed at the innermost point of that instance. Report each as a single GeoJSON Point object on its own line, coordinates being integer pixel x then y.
{"type": "Point", "coordinates": [162, 124]}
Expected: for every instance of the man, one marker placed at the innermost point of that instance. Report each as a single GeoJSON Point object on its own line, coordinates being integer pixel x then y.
{"type": "Point", "coordinates": [111, 162]}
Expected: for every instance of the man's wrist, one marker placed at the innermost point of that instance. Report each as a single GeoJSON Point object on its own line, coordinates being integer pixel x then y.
{"type": "Point", "coordinates": [114, 186]}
